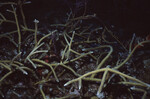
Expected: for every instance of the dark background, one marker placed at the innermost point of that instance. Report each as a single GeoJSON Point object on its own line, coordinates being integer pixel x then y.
{"type": "Point", "coordinates": [129, 16]}
{"type": "Point", "coordinates": [133, 16]}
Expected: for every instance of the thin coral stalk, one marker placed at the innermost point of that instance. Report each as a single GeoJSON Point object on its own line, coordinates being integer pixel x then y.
{"type": "Point", "coordinates": [18, 29]}
{"type": "Point", "coordinates": [132, 83]}
{"type": "Point", "coordinates": [105, 70]}
{"type": "Point", "coordinates": [45, 37]}
{"type": "Point", "coordinates": [106, 57]}
{"type": "Point", "coordinates": [49, 65]}
{"type": "Point", "coordinates": [22, 13]}
{"type": "Point", "coordinates": [5, 76]}
{"type": "Point", "coordinates": [102, 82]}
{"type": "Point", "coordinates": [35, 32]}
{"type": "Point", "coordinates": [5, 66]}
{"type": "Point", "coordinates": [42, 92]}
{"type": "Point", "coordinates": [130, 54]}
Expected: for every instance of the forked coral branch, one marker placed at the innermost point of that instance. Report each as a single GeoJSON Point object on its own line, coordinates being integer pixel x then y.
{"type": "Point", "coordinates": [35, 52]}
{"type": "Point", "coordinates": [106, 70]}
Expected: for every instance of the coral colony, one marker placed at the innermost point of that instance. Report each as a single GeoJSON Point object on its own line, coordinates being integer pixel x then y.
{"type": "Point", "coordinates": [70, 55]}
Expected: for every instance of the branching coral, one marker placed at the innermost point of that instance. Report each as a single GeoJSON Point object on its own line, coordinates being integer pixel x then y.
{"type": "Point", "coordinates": [79, 46]}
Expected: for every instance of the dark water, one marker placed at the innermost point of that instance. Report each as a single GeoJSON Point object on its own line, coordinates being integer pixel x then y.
{"type": "Point", "coordinates": [128, 16]}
